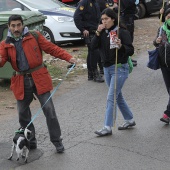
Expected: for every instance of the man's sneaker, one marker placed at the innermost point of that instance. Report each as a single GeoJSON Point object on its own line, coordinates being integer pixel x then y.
{"type": "Point", "coordinates": [165, 119]}
{"type": "Point", "coordinates": [126, 125]}
{"type": "Point", "coordinates": [103, 132]}
{"type": "Point", "coordinates": [59, 147]}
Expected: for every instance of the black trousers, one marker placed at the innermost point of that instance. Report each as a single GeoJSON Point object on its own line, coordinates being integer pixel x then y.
{"type": "Point", "coordinates": [48, 109]}
{"type": "Point", "coordinates": [128, 20]}
{"type": "Point", "coordinates": [166, 77]}
{"type": "Point", "coordinates": [93, 54]}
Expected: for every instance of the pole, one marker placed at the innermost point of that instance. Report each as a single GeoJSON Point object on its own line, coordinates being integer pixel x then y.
{"type": "Point", "coordinates": [163, 5]}
{"type": "Point", "coordinates": [115, 84]}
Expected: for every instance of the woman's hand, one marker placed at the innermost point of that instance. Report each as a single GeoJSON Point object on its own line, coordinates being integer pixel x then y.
{"type": "Point", "coordinates": [100, 28]}
{"type": "Point", "coordinates": [118, 42]}
{"type": "Point", "coordinates": [161, 11]}
{"type": "Point", "coordinates": [158, 40]}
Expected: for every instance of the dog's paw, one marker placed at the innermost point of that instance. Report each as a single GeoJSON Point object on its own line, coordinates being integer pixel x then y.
{"type": "Point", "coordinates": [10, 158]}
{"type": "Point", "coordinates": [25, 161]}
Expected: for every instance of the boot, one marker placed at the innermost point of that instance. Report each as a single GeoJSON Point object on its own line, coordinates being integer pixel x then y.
{"type": "Point", "coordinates": [90, 75]}
{"type": "Point", "coordinates": [97, 77]}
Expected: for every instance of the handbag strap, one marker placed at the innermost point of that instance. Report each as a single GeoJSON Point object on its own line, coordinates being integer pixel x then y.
{"type": "Point", "coordinates": [160, 31]}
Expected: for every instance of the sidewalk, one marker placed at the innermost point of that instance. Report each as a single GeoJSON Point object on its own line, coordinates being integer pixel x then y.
{"type": "Point", "coordinates": [81, 112]}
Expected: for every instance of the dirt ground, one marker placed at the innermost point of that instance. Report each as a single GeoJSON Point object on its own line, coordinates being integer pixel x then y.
{"type": "Point", "coordinates": [145, 32]}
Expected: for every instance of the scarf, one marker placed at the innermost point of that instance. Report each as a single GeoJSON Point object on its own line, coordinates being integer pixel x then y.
{"type": "Point", "coordinates": [166, 29]}
{"type": "Point", "coordinates": [25, 31]}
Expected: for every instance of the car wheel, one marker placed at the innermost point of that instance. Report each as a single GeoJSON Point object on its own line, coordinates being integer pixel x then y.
{"type": "Point", "coordinates": [141, 10]}
{"type": "Point", "coordinates": [48, 34]}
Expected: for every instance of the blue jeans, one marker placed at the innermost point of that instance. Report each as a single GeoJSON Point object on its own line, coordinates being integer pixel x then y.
{"type": "Point", "coordinates": [122, 75]}
{"type": "Point", "coordinates": [49, 111]}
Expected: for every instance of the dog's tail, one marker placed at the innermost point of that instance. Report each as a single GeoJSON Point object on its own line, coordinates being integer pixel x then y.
{"type": "Point", "coordinates": [27, 134]}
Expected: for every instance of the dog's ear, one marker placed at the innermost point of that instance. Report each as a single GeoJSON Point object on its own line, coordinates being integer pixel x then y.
{"type": "Point", "coordinates": [28, 134]}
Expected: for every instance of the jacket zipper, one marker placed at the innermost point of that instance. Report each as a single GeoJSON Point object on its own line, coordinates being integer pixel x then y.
{"type": "Point", "coordinates": [165, 56]}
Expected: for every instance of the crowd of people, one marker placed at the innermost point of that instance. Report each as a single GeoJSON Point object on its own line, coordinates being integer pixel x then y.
{"type": "Point", "coordinates": [109, 38]}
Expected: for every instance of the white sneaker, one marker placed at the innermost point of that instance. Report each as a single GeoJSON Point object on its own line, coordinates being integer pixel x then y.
{"type": "Point", "coordinates": [126, 125]}
{"type": "Point", "coordinates": [103, 132]}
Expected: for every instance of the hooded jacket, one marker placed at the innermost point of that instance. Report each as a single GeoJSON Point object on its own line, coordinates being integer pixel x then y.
{"type": "Point", "coordinates": [33, 51]}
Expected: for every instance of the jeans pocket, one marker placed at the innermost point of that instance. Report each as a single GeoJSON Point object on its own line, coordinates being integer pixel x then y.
{"type": "Point", "coordinates": [124, 69]}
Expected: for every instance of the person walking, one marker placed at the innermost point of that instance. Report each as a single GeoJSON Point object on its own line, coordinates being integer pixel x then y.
{"type": "Point", "coordinates": [162, 41]}
{"type": "Point", "coordinates": [86, 18]}
{"type": "Point", "coordinates": [107, 40]}
{"type": "Point", "coordinates": [31, 76]}
{"type": "Point", "coordinates": [166, 6]}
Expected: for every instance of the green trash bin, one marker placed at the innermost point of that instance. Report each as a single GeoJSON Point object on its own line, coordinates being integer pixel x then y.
{"type": "Point", "coordinates": [34, 20]}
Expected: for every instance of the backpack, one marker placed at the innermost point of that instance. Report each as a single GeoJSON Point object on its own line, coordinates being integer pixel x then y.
{"type": "Point", "coordinates": [34, 34]}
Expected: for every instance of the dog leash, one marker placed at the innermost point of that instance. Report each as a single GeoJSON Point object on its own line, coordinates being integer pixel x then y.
{"type": "Point", "coordinates": [56, 88]}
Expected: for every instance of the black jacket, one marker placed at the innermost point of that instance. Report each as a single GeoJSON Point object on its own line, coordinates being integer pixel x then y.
{"type": "Point", "coordinates": [103, 4]}
{"type": "Point", "coordinates": [164, 49]}
{"type": "Point", "coordinates": [127, 7]}
{"type": "Point", "coordinates": [108, 55]}
{"type": "Point", "coordinates": [87, 15]}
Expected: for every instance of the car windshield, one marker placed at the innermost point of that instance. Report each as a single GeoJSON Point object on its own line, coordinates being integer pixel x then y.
{"type": "Point", "coordinates": [44, 4]}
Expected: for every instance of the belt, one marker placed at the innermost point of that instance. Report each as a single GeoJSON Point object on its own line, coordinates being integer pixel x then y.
{"type": "Point", "coordinates": [27, 75]}
{"type": "Point", "coordinates": [28, 72]}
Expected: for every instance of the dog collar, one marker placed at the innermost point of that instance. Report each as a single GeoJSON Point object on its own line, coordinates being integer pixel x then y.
{"type": "Point", "coordinates": [19, 131]}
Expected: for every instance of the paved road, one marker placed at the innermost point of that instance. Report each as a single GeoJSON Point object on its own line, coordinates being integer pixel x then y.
{"type": "Point", "coordinates": [81, 112]}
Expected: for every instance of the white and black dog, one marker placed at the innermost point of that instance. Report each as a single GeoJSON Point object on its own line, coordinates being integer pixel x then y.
{"type": "Point", "coordinates": [21, 142]}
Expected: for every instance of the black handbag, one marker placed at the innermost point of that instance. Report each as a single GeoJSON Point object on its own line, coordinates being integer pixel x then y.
{"type": "Point", "coordinates": [153, 62]}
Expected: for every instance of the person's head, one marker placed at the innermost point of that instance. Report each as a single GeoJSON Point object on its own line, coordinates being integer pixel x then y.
{"type": "Point", "coordinates": [167, 14]}
{"type": "Point", "coordinates": [15, 25]}
{"type": "Point", "coordinates": [109, 18]}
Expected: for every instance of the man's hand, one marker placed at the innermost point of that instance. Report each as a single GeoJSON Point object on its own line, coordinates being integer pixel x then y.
{"type": "Point", "coordinates": [72, 60]}
{"type": "Point", "coordinates": [85, 33]}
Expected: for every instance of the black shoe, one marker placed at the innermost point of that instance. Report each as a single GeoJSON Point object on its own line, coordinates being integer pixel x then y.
{"type": "Point", "coordinates": [101, 71]}
{"type": "Point", "coordinates": [134, 61]}
{"type": "Point", "coordinates": [90, 78]}
{"type": "Point", "coordinates": [33, 143]}
{"type": "Point", "coordinates": [33, 146]}
{"type": "Point", "coordinates": [97, 77]}
{"type": "Point", "coordinates": [90, 75]}
{"type": "Point", "coordinates": [134, 64]}
{"type": "Point", "coordinates": [59, 147]}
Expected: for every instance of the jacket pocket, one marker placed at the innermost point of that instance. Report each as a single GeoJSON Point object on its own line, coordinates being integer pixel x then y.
{"type": "Point", "coordinates": [17, 86]}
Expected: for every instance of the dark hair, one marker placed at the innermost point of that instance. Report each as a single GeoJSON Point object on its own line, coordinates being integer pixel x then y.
{"type": "Point", "coordinates": [167, 11]}
{"type": "Point", "coordinates": [15, 18]}
{"type": "Point", "coordinates": [110, 13]}
{"type": "Point", "coordinates": [113, 15]}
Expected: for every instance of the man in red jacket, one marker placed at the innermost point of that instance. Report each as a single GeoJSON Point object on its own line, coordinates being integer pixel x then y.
{"type": "Point", "coordinates": [24, 52]}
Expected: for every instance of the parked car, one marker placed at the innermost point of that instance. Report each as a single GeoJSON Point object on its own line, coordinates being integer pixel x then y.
{"type": "Point", "coordinates": [59, 26]}
{"type": "Point", "coordinates": [146, 7]}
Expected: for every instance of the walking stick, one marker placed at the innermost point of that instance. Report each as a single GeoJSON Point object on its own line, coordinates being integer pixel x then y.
{"type": "Point", "coordinates": [115, 84]}
{"type": "Point", "coordinates": [163, 5]}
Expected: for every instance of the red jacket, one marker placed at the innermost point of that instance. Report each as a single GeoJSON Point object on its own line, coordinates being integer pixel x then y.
{"type": "Point", "coordinates": [33, 53]}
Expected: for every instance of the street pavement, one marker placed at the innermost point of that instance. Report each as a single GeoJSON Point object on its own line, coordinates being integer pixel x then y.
{"type": "Point", "coordinates": [81, 111]}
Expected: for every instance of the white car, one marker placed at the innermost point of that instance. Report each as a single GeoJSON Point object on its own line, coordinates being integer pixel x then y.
{"type": "Point", "coordinates": [59, 26]}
